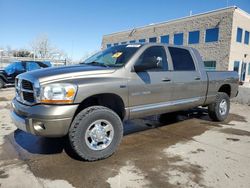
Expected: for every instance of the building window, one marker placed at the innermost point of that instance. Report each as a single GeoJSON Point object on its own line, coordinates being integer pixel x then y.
{"type": "Point", "coordinates": [116, 44]}
{"type": "Point", "coordinates": [239, 35]}
{"type": "Point", "coordinates": [246, 40]}
{"type": "Point", "coordinates": [248, 68]}
{"type": "Point", "coordinates": [124, 42]}
{"type": "Point", "coordinates": [165, 39]}
{"type": "Point", "coordinates": [210, 65]}
{"type": "Point", "coordinates": [236, 66]}
{"type": "Point", "coordinates": [142, 40]}
{"type": "Point", "coordinates": [109, 45]}
{"type": "Point", "coordinates": [132, 41]}
{"type": "Point", "coordinates": [178, 39]}
{"type": "Point", "coordinates": [193, 37]}
{"type": "Point", "coordinates": [212, 35]}
{"type": "Point", "coordinates": [153, 39]}
{"type": "Point", "coordinates": [182, 59]}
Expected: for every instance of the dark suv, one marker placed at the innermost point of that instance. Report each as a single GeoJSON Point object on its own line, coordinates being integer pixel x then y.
{"type": "Point", "coordinates": [7, 75]}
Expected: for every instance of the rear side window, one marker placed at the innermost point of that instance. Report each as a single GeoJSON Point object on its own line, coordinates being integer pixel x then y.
{"type": "Point", "coordinates": [182, 59]}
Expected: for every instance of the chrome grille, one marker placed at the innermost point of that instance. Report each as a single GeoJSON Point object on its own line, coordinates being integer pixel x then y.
{"type": "Point", "coordinates": [28, 96]}
{"type": "Point", "coordinates": [27, 85]}
{"type": "Point", "coordinates": [24, 91]}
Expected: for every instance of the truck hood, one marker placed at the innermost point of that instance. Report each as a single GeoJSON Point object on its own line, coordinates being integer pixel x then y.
{"type": "Point", "coordinates": [66, 72]}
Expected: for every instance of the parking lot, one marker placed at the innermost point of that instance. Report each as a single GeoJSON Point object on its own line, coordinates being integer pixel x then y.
{"type": "Point", "coordinates": [188, 150]}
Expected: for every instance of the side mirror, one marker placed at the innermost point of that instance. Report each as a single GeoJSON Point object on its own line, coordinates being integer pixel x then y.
{"type": "Point", "coordinates": [147, 64]}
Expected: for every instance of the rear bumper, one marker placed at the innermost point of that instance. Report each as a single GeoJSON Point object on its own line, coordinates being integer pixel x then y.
{"type": "Point", "coordinates": [43, 120]}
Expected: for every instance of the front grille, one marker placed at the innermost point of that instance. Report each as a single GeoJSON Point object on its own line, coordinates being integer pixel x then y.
{"type": "Point", "coordinates": [25, 91]}
{"type": "Point", "coordinates": [27, 85]}
{"type": "Point", "coordinates": [28, 97]}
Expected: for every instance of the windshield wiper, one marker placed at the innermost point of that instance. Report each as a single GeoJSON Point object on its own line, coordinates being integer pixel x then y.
{"type": "Point", "coordinates": [94, 63]}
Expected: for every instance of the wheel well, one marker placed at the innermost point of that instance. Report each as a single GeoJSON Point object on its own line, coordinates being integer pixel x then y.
{"type": "Point", "coordinates": [225, 89]}
{"type": "Point", "coordinates": [1, 77]}
{"type": "Point", "coordinates": [111, 101]}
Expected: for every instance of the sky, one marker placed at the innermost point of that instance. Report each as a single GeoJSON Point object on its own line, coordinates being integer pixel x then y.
{"type": "Point", "coordinates": [77, 26]}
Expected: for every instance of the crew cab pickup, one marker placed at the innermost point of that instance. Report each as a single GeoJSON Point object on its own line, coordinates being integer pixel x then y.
{"type": "Point", "coordinates": [7, 75]}
{"type": "Point", "coordinates": [88, 102]}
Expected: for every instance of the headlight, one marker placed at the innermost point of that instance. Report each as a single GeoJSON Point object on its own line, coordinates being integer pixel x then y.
{"type": "Point", "coordinates": [58, 93]}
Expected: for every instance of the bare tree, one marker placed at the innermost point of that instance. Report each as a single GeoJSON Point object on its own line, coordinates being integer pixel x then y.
{"type": "Point", "coordinates": [41, 46]}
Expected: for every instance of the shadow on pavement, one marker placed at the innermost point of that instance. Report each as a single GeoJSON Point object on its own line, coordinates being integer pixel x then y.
{"type": "Point", "coordinates": [41, 145]}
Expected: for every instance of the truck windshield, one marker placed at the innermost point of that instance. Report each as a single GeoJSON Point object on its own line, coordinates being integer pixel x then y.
{"type": "Point", "coordinates": [116, 56]}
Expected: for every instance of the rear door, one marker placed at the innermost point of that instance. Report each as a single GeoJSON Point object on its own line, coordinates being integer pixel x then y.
{"type": "Point", "coordinates": [188, 87]}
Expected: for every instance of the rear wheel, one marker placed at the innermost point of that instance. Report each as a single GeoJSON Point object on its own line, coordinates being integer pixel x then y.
{"type": "Point", "coordinates": [219, 110]}
{"type": "Point", "coordinates": [95, 133]}
{"type": "Point", "coordinates": [1, 83]}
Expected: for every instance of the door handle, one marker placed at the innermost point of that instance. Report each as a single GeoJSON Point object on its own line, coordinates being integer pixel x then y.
{"type": "Point", "coordinates": [197, 78]}
{"type": "Point", "coordinates": [166, 79]}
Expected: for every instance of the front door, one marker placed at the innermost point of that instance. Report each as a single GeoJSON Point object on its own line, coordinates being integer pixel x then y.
{"type": "Point", "coordinates": [149, 86]}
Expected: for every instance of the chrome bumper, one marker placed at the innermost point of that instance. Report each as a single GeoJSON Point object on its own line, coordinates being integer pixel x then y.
{"type": "Point", "coordinates": [43, 120]}
{"type": "Point", "coordinates": [18, 121]}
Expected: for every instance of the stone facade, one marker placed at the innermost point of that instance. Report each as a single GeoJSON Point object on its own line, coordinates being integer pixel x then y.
{"type": "Point", "coordinates": [223, 51]}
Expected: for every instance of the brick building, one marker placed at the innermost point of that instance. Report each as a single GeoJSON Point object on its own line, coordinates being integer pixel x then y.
{"type": "Point", "coordinates": [221, 36]}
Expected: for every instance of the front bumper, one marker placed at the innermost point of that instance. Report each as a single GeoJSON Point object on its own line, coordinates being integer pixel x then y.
{"type": "Point", "coordinates": [43, 120]}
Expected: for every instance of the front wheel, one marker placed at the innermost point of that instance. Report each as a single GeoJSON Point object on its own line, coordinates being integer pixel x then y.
{"type": "Point", "coordinates": [95, 133]}
{"type": "Point", "coordinates": [219, 110]}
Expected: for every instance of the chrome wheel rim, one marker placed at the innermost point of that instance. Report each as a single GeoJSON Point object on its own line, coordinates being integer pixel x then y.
{"type": "Point", "coordinates": [223, 107]}
{"type": "Point", "coordinates": [99, 135]}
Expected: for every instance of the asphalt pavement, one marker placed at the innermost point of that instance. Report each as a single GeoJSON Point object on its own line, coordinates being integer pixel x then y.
{"type": "Point", "coordinates": [186, 150]}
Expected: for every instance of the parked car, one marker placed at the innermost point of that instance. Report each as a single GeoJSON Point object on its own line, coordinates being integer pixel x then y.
{"type": "Point", "coordinates": [88, 102]}
{"type": "Point", "coordinates": [7, 75]}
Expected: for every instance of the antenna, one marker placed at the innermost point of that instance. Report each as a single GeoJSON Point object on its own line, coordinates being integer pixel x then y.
{"type": "Point", "coordinates": [227, 3]}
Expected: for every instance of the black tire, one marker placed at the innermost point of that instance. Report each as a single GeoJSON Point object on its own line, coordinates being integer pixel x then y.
{"type": "Point", "coordinates": [2, 83]}
{"type": "Point", "coordinates": [82, 124]}
{"type": "Point", "coordinates": [214, 110]}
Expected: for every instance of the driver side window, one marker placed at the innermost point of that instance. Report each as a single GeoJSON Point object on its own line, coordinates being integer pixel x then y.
{"type": "Point", "coordinates": [153, 59]}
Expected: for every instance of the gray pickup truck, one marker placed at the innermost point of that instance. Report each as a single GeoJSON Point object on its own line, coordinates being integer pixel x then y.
{"type": "Point", "coordinates": [89, 102]}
